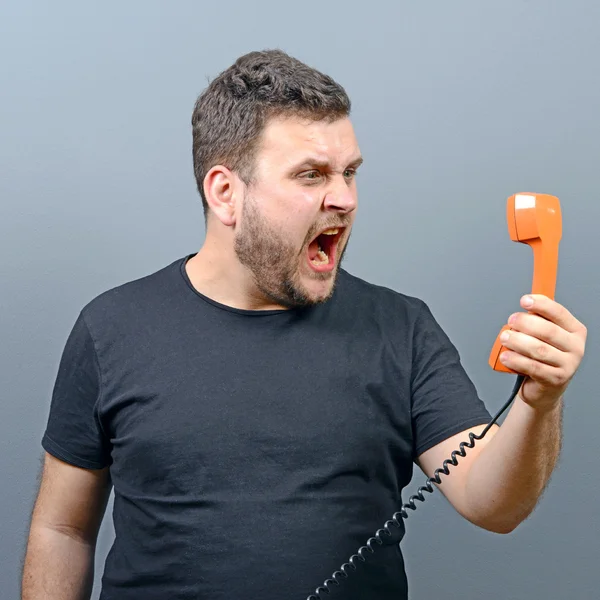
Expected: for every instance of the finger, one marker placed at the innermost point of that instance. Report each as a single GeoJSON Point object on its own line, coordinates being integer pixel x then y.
{"type": "Point", "coordinates": [542, 329]}
{"type": "Point", "coordinates": [551, 310]}
{"type": "Point", "coordinates": [534, 349]}
{"type": "Point", "coordinates": [538, 371]}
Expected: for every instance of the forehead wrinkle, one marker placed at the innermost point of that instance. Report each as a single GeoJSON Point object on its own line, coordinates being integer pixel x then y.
{"type": "Point", "coordinates": [295, 146]}
{"type": "Point", "coordinates": [322, 161]}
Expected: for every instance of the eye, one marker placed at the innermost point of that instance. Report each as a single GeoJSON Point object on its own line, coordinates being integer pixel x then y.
{"type": "Point", "coordinates": [350, 173]}
{"type": "Point", "coordinates": [311, 175]}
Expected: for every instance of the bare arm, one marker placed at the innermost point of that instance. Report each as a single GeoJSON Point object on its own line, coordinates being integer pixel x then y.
{"type": "Point", "coordinates": [508, 479]}
{"type": "Point", "coordinates": [499, 482]}
{"type": "Point", "coordinates": [59, 562]}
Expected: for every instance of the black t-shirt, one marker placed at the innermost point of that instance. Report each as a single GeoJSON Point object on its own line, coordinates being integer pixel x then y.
{"type": "Point", "coordinates": [253, 453]}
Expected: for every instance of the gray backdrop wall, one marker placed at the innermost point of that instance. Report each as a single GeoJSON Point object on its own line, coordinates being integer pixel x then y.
{"type": "Point", "coordinates": [457, 105]}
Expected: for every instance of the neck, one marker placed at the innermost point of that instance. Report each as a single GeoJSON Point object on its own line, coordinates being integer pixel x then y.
{"type": "Point", "coordinates": [216, 273]}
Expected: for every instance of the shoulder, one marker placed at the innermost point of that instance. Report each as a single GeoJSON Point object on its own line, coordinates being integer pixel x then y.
{"type": "Point", "coordinates": [128, 300]}
{"type": "Point", "coordinates": [380, 300]}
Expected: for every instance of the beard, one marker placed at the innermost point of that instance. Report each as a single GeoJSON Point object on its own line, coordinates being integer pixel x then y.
{"type": "Point", "coordinates": [275, 262]}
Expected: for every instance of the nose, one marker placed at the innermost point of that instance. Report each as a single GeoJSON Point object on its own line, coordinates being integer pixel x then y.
{"type": "Point", "coordinates": [341, 197]}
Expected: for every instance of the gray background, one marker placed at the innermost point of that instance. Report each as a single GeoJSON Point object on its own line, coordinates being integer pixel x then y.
{"type": "Point", "coordinates": [457, 105]}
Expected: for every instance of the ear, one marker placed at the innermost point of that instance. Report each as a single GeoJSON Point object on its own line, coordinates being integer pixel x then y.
{"type": "Point", "coordinates": [220, 192]}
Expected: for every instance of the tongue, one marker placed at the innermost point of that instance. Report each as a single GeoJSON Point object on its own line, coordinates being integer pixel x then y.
{"type": "Point", "coordinates": [313, 249]}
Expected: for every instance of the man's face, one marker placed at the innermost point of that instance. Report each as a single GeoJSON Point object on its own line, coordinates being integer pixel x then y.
{"type": "Point", "coordinates": [304, 185]}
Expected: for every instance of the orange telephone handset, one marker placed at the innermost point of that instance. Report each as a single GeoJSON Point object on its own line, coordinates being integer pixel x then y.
{"type": "Point", "coordinates": [536, 220]}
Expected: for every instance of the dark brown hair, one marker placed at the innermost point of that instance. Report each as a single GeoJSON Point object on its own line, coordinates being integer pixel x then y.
{"type": "Point", "coordinates": [231, 113]}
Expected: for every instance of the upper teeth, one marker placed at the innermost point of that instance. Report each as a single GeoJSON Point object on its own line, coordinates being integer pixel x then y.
{"type": "Point", "coordinates": [330, 231]}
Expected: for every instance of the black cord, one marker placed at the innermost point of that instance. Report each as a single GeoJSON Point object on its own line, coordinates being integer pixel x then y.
{"type": "Point", "coordinates": [395, 522]}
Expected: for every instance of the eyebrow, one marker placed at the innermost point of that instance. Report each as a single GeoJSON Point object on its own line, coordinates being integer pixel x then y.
{"type": "Point", "coordinates": [313, 161]}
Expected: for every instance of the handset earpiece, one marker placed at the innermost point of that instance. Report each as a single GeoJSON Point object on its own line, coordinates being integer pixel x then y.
{"type": "Point", "coordinates": [536, 220]}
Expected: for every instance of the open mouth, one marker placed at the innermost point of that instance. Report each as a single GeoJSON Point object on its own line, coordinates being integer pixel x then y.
{"type": "Point", "coordinates": [322, 250]}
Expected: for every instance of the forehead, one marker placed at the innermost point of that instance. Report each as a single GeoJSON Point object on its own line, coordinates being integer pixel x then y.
{"type": "Point", "coordinates": [288, 140]}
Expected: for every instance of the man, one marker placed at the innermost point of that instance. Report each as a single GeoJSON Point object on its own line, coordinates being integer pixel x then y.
{"type": "Point", "coordinates": [257, 409]}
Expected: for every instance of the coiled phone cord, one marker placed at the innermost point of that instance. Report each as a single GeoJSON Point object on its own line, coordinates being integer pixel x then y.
{"type": "Point", "coordinates": [394, 521]}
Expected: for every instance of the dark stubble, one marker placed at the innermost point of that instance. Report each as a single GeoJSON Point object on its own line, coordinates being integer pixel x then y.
{"type": "Point", "coordinates": [274, 261]}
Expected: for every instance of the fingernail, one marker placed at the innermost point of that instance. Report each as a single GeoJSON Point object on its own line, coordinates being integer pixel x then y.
{"type": "Point", "coordinates": [504, 337]}
{"type": "Point", "coordinates": [527, 301]}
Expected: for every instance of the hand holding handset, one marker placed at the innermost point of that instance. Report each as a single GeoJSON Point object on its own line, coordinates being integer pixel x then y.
{"type": "Point", "coordinates": [536, 220]}
{"type": "Point", "coordinates": [533, 219]}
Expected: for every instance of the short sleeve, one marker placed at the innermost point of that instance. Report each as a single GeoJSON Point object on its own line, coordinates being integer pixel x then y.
{"type": "Point", "coordinates": [73, 432]}
{"type": "Point", "coordinates": [444, 400]}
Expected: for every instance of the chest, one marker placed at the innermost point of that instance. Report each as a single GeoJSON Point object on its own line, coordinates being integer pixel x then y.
{"type": "Point", "coordinates": [272, 415]}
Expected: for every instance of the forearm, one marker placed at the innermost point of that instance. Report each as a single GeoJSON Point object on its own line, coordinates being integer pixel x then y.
{"type": "Point", "coordinates": [58, 566]}
{"type": "Point", "coordinates": [508, 477]}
